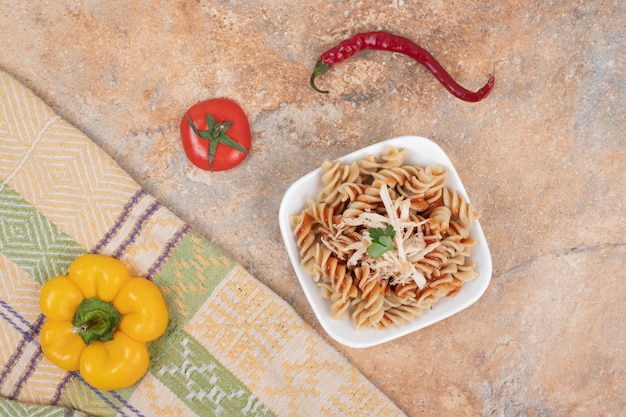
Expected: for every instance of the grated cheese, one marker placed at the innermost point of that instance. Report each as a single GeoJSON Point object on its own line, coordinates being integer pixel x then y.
{"type": "Point", "coordinates": [399, 266]}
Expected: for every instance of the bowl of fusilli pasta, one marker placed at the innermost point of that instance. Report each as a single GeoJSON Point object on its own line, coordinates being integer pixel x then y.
{"type": "Point", "coordinates": [385, 241]}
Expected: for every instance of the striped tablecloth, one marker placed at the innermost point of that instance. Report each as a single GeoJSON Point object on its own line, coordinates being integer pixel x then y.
{"type": "Point", "coordinates": [233, 347]}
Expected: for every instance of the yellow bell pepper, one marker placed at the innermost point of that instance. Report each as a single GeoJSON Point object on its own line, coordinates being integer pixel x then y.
{"type": "Point", "coordinates": [99, 320]}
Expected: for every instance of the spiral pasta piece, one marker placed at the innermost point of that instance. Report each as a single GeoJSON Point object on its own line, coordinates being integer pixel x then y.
{"type": "Point", "coordinates": [323, 216]}
{"type": "Point", "coordinates": [329, 266]}
{"type": "Point", "coordinates": [335, 174]}
{"type": "Point", "coordinates": [368, 166]}
{"type": "Point", "coordinates": [393, 158]}
{"type": "Point", "coordinates": [396, 176]}
{"type": "Point", "coordinates": [306, 240]}
{"type": "Point", "coordinates": [427, 182]}
{"type": "Point", "coordinates": [399, 315]}
{"type": "Point", "coordinates": [368, 201]}
{"type": "Point", "coordinates": [368, 306]}
{"type": "Point", "coordinates": [466, 273]}
{"type": "Point", "coordinates": [461, 209]}
{"type": "Point", "coordinates": [350, 191]}
{"type": "Point", "coordinates": [404, 291]}
{"type": "Point", "coordinates": [340, 307]}
{"type": "Point", "coordinates": [440, 218]}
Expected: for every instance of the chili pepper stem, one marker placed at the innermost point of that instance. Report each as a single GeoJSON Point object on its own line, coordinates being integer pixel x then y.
{"type": "Point", "coordinates": [320, 69]}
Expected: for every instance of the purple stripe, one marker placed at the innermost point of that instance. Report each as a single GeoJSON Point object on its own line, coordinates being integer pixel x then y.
{"type": "Point", "coordinates": [29, 371]}
{"type": "Point", "coordinates": [28, 337]}
{"type": "Point", "coordinates": [57, 395]}
{"type": "Point", "coordinates": [126, 404]}
{"type": "Point", "coordinates": [134, 200]}
{"type": "Point", "coordinates": [101, 394]}
{"type": "Point", "coordinates": [137, 229]}
{"type": "Point", "coordinates": [169, 247]}
{"type": "Point", "coordinates": [16, 315]}
{"type": "Point", "coordinates": [13, 324]}
{"type": "Point", "coordinates": [104, 398]}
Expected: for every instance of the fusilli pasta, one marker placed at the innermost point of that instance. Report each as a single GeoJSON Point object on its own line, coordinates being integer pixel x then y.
{"type": "Point", "coordinates": [431, 244]}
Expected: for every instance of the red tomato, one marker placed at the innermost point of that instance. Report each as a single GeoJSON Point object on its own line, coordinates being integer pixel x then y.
{"type": "Point", "coordinates": [221, 139]}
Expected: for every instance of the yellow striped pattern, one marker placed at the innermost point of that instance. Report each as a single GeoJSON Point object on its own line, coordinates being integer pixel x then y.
{"type": "Point", "coordinates": [49, 162]}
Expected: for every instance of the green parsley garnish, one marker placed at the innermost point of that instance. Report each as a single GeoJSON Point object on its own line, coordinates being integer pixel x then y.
{"type": "Point", "coordinates": [382, 241]}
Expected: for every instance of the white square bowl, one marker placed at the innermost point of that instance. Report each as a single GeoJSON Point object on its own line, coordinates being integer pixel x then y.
{"type": "Point", "coordinates": [422, 152]}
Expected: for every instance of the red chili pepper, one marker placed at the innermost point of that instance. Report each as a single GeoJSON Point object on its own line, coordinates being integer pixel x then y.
{"type": "Point", "coordinates": [385, 41]}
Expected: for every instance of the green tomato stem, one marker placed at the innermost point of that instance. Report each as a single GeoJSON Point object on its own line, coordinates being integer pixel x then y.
{"type": "Point", "coordinates": [215, 133]}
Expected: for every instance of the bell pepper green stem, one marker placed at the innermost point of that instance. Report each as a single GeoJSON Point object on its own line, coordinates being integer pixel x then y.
{"type": "Point", "coordinates": [95, 320]}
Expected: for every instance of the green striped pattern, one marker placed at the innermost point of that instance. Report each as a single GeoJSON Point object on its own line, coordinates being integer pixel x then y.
{"type": "Point", "coordinates": [31, 240]}
{"type": "Point", "coordinates": [9, 408]}
{"type": "Point", "coordinates": [201, 382]}
{"type": "Point", "coordinates": [194, 269]}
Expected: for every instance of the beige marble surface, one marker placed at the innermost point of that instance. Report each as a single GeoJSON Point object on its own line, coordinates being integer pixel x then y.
{"type": "Point", "coordinates": [543, 159]}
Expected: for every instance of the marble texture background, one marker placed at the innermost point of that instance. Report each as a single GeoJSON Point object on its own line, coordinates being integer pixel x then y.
{"type": "Point", "coordinates": [543, 159]}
